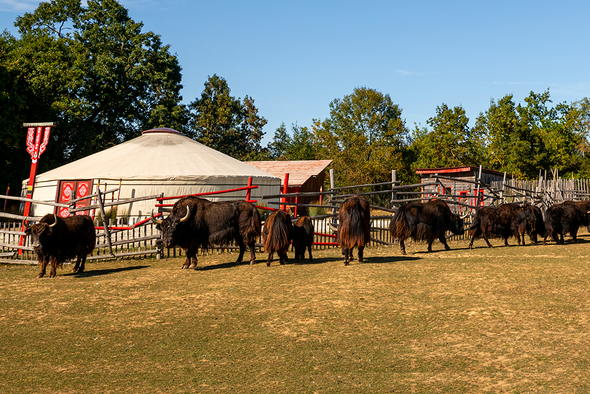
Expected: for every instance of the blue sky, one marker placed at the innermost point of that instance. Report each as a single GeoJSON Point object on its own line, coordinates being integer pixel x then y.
{"type": "Point", "coordinates": [294, 58]}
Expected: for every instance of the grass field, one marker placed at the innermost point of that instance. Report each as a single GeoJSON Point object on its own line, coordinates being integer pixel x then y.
{"type": "Point", "coordinates": [508, 319]}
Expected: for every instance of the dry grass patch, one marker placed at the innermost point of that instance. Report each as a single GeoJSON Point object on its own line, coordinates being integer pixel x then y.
{"type": "Point", "coordinates": [507, 319]}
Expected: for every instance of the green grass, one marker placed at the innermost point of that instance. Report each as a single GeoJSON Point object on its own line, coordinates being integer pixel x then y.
{"type": "Point", "coordinates": [508, 319]}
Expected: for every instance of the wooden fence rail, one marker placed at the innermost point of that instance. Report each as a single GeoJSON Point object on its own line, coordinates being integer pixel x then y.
{"type": "Point", "coordinates": [141, 238]}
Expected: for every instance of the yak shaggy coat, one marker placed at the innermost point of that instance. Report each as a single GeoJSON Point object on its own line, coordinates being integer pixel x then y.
{"type": "Point", "coordinates": [425, 222]}
{"type": "Point", "coordinates": [564, 218]}
{"type": "Point", "coordinates": [302, 237]}
{"type": "Point", "coordinates": [502, 221]}
{"type": "Point", "coordinates": [354, 222]}
{"type": "Point", "coordinates": [277, 234]}
{"type": "Point", "coordinates": [196, 222]}
{"type": "Point", "coordinates": [57, 239]}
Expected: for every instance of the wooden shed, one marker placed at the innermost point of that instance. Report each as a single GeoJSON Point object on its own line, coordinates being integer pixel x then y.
{"type": "Point", "coordinates": [462, 186]}
{"type": "Point", "coordinates": [299, 176]}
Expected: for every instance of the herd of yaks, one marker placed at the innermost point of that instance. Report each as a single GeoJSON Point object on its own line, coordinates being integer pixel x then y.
{"type": "Point", "coordinates": [196, 222]}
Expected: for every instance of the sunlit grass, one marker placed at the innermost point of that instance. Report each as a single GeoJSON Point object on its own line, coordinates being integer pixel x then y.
{"type": "Point", "coordinates": [507, 319]}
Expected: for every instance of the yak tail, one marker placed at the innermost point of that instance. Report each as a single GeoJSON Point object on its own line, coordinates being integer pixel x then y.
{"type": "Point", "coordinates": [399, 226]}
{"type": "Point", "coordinates": [356, 232]}
{"type": "Point", "coordinates": [278, 232]}
{"type": "Point", "coordinates": [250, 229]}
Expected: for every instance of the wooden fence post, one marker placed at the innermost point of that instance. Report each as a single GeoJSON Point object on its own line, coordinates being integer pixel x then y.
{"type": "Point", "coordinates": [477, 189]}
{"type": "Point", "coordinates": [393, 180]}
{"type": "Point", "coordinates": [332, 186]}
{"type": "Point", "coordinates": [105, 223]}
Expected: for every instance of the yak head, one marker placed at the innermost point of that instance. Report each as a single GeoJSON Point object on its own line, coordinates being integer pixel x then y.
{"type": "Point", "coordinates": [40, 233]}
{"type": "Point", "coordinates": [171, 227]}
{"type": "Point", "coordinates": [457, 224]}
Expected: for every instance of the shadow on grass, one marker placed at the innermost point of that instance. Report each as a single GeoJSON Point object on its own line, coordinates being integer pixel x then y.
{"type": "Point", "coordinates": [389, 259]}
{"type": "Point", "coordinates": [90, 274]}
{"type": "Point", "coordinates": [222, 266]}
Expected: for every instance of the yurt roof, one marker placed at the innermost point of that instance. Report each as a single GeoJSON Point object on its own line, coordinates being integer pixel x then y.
{"type": "Point", "coordinates": [158, 154]}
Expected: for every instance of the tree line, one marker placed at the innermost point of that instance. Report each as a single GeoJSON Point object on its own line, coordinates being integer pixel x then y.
{"type": "Point", "coordinates": [94, 71]}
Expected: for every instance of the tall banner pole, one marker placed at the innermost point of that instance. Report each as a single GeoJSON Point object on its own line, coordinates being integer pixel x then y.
{"type": "Point", "coordinates": [37, 139]}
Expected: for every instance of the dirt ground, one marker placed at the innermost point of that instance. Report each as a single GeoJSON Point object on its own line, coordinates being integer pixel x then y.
{"type": "Point", "coordinates": [506, 319]}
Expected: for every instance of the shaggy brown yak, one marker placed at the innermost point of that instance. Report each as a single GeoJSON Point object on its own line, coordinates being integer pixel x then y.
{"type": "Point", "coordinates": [196, 222]}
{"type": "Point", "coordinates": [277, 234]}
{"type": "Point", "coordinates": [353, 226]}
{"type": "Point", "coordinates": [57, 239]}
{"type": "Point", "coordinates": [425, 222]}
{"type": "Point", "coordinates": [302, 237]}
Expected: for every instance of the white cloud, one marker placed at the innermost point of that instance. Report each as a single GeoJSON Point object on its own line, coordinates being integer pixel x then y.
{"type": "Point", "coordinates": [408, 73]}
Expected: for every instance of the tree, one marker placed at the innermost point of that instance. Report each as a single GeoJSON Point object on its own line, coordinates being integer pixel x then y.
{"type": "Point", "coordinates": [449, 143]}
{"type": "Point", "coordinates": [365, 136]}
{"type": "Point", "coordinates": [100, 78]}
{"type": "Point", "coordinates": [226, 124]}
{"type": "Point", "coordinates": [553, 137]}
{"type": "Point", "coordinates": [280, 143]}
{"type": "Point", "coordinates": [302, 146]}
{"type": "Point", "coordinates": [505, 137]}
{"type": "Point", "coordinates": [17, 106]}
{"type": "Point", "coordinates": [522, 139]}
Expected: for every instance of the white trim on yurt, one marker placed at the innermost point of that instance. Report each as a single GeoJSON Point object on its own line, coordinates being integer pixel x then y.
{"type": "Point", "coordinates": [159, 161]}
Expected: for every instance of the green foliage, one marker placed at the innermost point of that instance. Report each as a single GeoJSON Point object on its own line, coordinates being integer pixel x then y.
{"type": "Point", "coordinates": [226, 124]}
{"type": "Point", "coordinates": [449, 143]}
{"type": "Point", "coordinates": [366, 137]}
{"type": "Point", "coordinates": [526, 138]}
{"type": "Point", "coordinates": [94, 72]}
{"type": "Point", "coordinates": [18, 104]}
{"type": "Point", "coordinates": [302, 145]}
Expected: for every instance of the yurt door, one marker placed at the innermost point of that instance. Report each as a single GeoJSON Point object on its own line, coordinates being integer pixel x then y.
{"type": "Point", "coordinates": [73, 190]}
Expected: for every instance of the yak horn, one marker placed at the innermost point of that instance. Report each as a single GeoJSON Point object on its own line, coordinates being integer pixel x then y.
{"type": "Point", "coordinates": [464, 216]}
{"type": "Point", "coordinates": [334, 229]}
{"type": "Point", "coordinates": [156, 221]}
{"type": "Point", "coordinates": [188, 213]}
{"type": "Point", "coordinates": [54, 220]}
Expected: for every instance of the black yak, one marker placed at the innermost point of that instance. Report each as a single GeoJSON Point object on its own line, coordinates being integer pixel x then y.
{"type": "Point", "coordinates": [55, 240]}
{"type": "Point", "coordinates": [564, 218]}
{"type": "Point", "coordinates": [354, 227]}
{"type": "Point", "coordinates": [196, 222]}
{"type": "Point", "coordinates": [425, 222]}
{"type": "Point", "coordinates": [302, 237]}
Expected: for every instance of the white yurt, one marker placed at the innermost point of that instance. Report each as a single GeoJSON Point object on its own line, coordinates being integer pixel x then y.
{"type": "Point", "coordinates": [160, 161]}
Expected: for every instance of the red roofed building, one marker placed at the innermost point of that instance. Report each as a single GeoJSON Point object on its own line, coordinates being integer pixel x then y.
{"type": "Point", "coordinates": [462, 187]}
{"type": "Point", "coordinates": [303, 176]}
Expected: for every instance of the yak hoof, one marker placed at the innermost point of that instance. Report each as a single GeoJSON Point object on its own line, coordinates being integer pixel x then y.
{"type": "Point", "coordinates": [40, 276]}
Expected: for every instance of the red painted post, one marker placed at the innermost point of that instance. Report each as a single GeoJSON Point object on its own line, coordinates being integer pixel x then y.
{"type": "Point", "coordinates": [37, 139]}
{"type": "Point", "coordinates": [248, 193]}
{"type": "Point", "coordinates": [285, 189]}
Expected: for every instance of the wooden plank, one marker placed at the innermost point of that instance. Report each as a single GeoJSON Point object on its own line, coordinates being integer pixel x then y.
{"type": "Point", "coordinates": [53, 204]}
{"type": "Point", "coordinates": [20, 217]}
{"type": "Point", "coordinates": [110, 204]}
{"type": "Point", "coordinates": [14, 246]}
{"type": "Point", "coordinates": [18, 262]}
